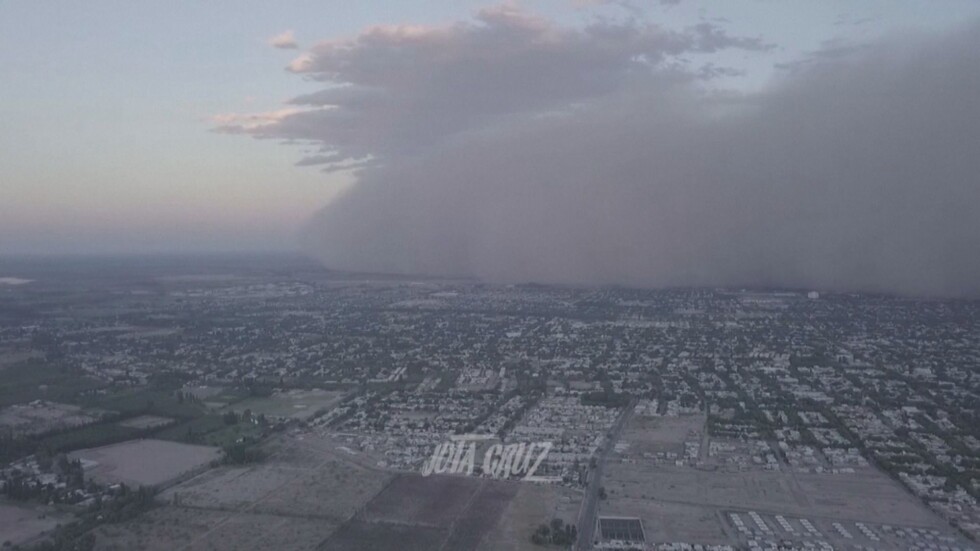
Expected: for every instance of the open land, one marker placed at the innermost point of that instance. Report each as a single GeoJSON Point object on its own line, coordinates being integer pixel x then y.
{"type": "Point", "coordinates": [295, 404]}
{"type": "Point", "coordinates": [306, 487]}
{"type": "Point", "coordinates": [146, 422]}
{"type": "Point", "coordinates": [660, 475]}
{"type": "Point", "coordinates": [20, 524]}
{"type": "Point", "coordinates": [437, 512]}
{"type": "Point", "coordinates": [533, 505]}
{"type": "Point", "coordinates": [41, 416]}
{"type": "Point", "coordinates": [143, 462]}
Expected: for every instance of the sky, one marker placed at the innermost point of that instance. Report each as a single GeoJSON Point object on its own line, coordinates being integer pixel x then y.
{"type": "Point", "coordinates": [665, 142]}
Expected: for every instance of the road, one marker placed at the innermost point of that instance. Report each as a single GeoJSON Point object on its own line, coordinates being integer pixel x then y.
{"type": "Point", "coordinates": [590, 501]}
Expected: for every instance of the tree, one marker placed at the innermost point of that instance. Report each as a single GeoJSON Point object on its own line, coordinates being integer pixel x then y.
{"type": "Point", "coordinates": [541, 536]}
{"type": "Point", "coordinates": [567, 536]}
{"type": "Point", "coordinates": [241, 453]}
{"type": "Point", "coordinates": [555, 532]}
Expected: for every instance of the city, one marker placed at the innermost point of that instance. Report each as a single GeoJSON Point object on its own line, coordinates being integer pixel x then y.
{"type": "Point", "coordinates": [247, 390]}
{"type": "Point", "coordinates": [490, 275]}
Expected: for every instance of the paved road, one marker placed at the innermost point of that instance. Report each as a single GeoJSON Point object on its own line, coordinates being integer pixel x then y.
{"type": "Point", "coordinates": [590, 502]}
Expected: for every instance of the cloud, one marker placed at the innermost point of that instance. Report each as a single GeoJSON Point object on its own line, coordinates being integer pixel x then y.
{"type": "Point", "coordinates": [252, 123]}
{"type": "Point", "coordinates": [402, 90]}
{"type": "Point", "coordinates": [830, 50]}
{"type": "Point", "coordinates": [513, 149]}
{"type": "Point", "coordinates": [284, 40]}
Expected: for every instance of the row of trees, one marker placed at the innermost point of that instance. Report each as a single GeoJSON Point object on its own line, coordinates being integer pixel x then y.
{"type": "Point", "coordinates": [126, 504]}
{"type": "Point", "coordinates": [555, 533]}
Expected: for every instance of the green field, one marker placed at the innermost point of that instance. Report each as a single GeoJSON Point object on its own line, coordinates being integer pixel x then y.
{"type": "Point", "coordinates": [88, 437]}
{"type": "Point", "coordinates": [38, 379]}
{"type": "Point", "coordinates": [211, 430]}
{"type": "Point", "coordinates": [291, 404]}
{"type": "Point", "coordinates": [144, 401]}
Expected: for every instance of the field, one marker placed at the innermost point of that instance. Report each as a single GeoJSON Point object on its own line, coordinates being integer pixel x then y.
{"type": "Point", "coordinates": [209, 430]}
{"type": "Point", "coordinates": [362, 535]}
{"type": "Point", "coordinates": [427, 501]}
{"type": "Point", "coordinates": [303, 492]}
{"type": "Point", "coordinates": [670, 522]}
{"type": "Point", "coordinates": [690, 498]}
{"type": "Point", "coordinates": [143, 462]}
{"type": "Point", "coordinates": [39, 417]}
{"type": "Point", "coordinates": [38, 379]}
{"type": "Point", "coordinates": [145, 402]}
{"type": "Point", "coordinates": [533, 505]}
{"type": "Point", "coordinates": [295, 404]}
{"type": "Point", "coordinates": [20, 524]}
{"type": "Point", "coordinates": [655, 435]}
{"type": "Point", "coordinates": [436, 512]}
{"type": "Point", "coordinates": [146, 422]}
{"type": "Point", "coordinates": [215, 397]}
{"type": "Point", "coordinates": [89, 436]}
{"type": "Point", "coordinates": [330, 490]}
{"type": "Point", "coordinates": [312, 492]}
{"type": "Point", "coordinates": [170, 528]}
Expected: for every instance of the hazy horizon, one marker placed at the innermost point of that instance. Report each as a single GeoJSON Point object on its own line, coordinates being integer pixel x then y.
{"type": "Point", "coordinates": [577, 142]}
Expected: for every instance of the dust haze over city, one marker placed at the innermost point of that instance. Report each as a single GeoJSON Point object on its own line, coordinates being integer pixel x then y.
{"type": "Point", "coordinates": [515, 149]}
{"type": "Point", "coordinates": [499, 276]}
